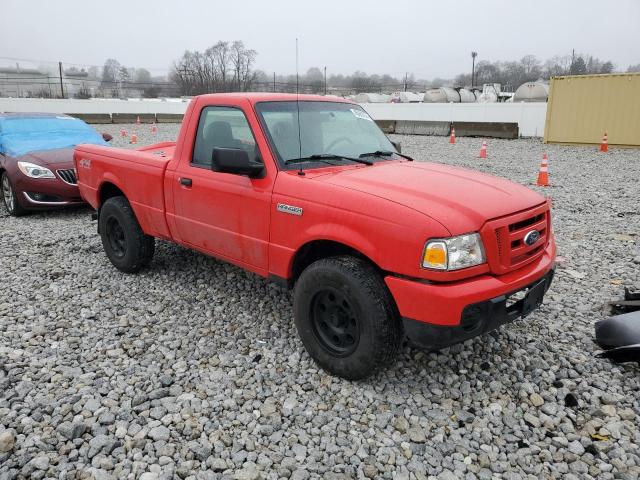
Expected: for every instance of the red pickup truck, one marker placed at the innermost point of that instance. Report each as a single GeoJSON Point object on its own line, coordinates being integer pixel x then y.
{"type": "Point", "coordinates": [307, 191]}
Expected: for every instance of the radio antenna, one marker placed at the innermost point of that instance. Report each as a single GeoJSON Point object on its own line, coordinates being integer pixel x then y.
{"type": "Point", "coordinates": [297, 75]}
{"type": "Point", "coordinates": [300, 172]}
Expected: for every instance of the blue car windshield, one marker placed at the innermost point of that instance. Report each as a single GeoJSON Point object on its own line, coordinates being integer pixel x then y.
{"type": "Point", "coordinates": [22, 135]}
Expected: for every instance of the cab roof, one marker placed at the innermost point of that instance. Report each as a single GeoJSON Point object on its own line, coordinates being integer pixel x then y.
{"type": "Point", "coordinates": [256, 97]}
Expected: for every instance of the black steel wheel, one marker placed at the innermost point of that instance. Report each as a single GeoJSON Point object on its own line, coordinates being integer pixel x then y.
{"type": "Point", "coordinates": [335, 322]}
{"type": "Point", "coordinates": [115, 236]}
{"type": "Point", "coordinates": [346, 317]}
{"type": "Point", "coordinates": [127, 246]}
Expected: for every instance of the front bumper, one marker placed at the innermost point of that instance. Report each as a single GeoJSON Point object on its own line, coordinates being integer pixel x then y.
{"type": "Point", "coordinates": [438, 315]}
{"type": "Point", "coordinates": [477, 319]}
{"type": "Point", "coordinates": [45, 193]}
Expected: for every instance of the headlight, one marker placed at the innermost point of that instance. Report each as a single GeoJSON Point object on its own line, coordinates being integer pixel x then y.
{"type": "Point", "coordinates": [35, 171]}
{"type": "Point", "coordinates": [454, 253]}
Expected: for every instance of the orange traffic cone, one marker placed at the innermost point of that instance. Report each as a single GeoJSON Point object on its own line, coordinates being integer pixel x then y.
{"type": "Point", "coordinates": [134, 138]}
{"type": "Point", "coordinates": [452, 138]}
{"type": "Point", "coordinates": [483, 150]}
{"type": "Point", "coordinates": [123, 132]}
{"type": "Point", "coordinates": [154, 129]}
{"type": "Point", "coordinates": [138, 120]}
{"type": "Point", "coordinates": [543, 174]}
{"type": "Point", "coordinates": [604, 146]}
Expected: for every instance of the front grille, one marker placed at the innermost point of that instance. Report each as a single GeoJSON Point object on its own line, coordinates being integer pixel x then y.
{"type": "Point", "coordinates": [68, 176]}
{"type": "Point", "coordinates": [511, 251]}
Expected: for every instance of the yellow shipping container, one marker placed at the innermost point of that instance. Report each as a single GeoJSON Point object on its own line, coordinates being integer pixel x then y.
{"type": "Point", "coordinates": [582, 108]}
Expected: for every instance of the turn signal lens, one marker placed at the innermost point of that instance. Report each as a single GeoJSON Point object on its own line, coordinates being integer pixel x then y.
{"type": "Point", "coordinates": [435, 256]}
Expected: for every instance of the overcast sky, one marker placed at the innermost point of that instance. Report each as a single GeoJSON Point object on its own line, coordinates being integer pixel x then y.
{"type": "Point", "coordinates": [427, 38]}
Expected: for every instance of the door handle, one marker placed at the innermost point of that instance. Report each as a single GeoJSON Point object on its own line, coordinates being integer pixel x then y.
{"type": "Point", "coordinates": [187, 182]}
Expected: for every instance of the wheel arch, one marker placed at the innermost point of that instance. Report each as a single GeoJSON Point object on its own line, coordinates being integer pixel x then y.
{"type": "Point", "coordinates": [318, 249]}
{"type": "Point", "coordinates": [107, 190]}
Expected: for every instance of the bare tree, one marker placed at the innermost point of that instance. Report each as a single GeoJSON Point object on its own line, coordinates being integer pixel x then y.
{"type": "Point", "coordinates": [110, 73]}
{"type": "Point", "coordinates": [242, 59]}
{"type": "Point", "coordinates": [557, 66]}
{"type": "Point", "coordinates": [223, 67]}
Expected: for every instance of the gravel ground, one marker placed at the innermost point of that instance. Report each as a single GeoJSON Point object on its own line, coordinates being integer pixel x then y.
{"type": "Point", "coordinates": [193, 368]}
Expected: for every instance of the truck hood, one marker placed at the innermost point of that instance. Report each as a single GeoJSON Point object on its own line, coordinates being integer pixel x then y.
{"type": "Point", "coordinates": [461, 200]}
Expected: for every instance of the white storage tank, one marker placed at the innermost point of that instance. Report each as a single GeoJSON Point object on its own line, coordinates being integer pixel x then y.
{"type": "Point", "coordinates": [406, 97]}
{"type": "Point", "coordinates": [532, 92]}
{"type": "Point", "coordinates": [466, 96]}
{"type": "Point", "coordinates": [487, 97]}
{"type": "Point", "coordinates": [434, 95]}
{"type": "Point", "coordinates": [371, 98]}
{"type": "Point", "coordinates": [441, 95]}
{"type": "Point", "coordinates": [489, 93]}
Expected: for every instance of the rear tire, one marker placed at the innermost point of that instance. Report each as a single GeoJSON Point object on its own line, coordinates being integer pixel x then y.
{"type": "Point", "coordinates": [10, 197]}
{"type": "Point", "coordinates": [346, 317]}
{"type": "Point", "coordinates": [127, 246]}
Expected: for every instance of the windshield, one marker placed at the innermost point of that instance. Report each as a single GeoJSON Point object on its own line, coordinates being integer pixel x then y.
{"type": "Point", "coordinates": [326, 128]}
{"type": "Point", "coordinates": [25, 134]}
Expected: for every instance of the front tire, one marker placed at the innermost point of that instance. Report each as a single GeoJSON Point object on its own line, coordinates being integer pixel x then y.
{"type": "Point", "coordinates": [127, 246]}
{"type": "Point", "coordinates": [10, 197]}
{"type": "Point", "coordinates": [346, 317]}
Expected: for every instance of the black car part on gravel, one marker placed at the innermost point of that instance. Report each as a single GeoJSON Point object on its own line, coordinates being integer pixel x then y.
{"type": "Point", "coordinates": [619, 335]}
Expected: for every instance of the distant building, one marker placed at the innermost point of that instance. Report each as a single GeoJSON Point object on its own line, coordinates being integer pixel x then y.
{"type": "Point", "coordinates": [27, 82]}
{"type": "Point", "coordinates": [30, 82]}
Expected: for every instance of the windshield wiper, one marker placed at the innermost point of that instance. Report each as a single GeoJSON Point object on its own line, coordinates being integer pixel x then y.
{"type": "Point", "coordinates": [323, 157]}
{"type": "Point", "coordinates": [385, 153]}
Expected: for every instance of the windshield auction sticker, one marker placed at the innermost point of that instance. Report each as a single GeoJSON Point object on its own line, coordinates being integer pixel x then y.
{"type": "Point", "coordinates": [361, 114]}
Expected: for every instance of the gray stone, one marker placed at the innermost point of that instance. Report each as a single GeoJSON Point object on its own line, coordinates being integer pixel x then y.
{"type": "Point", "coordinates": [401, 424]}
{"type": "Point", "coordinates": [416, 434]}
{"type": "Point", "coordinates": [40, 463]}
{"type": "Point", "coordinates": [7, 441]}
{"type": "Point", "coordinates": [576, 447]}
{"type": "Point", "coordinates": [71, 430]}
{"type": "Point", "coordinates": [531, 420]}
{"type": "Point", "coordinates": [160, 433]}
{"type": "Point", "coordinates": [536, 400]}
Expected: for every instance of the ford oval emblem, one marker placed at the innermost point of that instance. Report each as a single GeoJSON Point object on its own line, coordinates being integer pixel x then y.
{"type": "Point", "coordinates": [531, 237]}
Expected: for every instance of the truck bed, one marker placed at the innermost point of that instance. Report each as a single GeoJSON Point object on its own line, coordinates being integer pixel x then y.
{"type": "Point", "coordinates": [138, 173]}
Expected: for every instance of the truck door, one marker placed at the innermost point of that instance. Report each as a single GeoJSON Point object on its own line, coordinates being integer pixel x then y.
{"type": "Point", "coordinates": [223, 214]}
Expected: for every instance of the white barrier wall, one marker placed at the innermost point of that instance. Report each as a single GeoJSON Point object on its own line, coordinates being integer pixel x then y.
{"type": "Point", "coordinates": [48, 105]}
{"type": "Point", "coordinates": [530, 117]}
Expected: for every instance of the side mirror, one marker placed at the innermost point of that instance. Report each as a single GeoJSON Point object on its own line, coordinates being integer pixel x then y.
{"type": "Point", "coordinates": [397, 146]}
{"type": "Point", "coordinates": [106, 137]}
{"type": "Point", "coordinates": [235, 160]}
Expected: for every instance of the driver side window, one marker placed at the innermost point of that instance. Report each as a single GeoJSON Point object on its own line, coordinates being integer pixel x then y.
{"type": "Point", "coordinates": [222, 127]}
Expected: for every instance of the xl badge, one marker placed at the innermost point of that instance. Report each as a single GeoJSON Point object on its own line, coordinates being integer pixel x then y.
{"type": "Point", "coordinates": [531, 237]}
{"type": "Point", "coordinates": [290, 209]}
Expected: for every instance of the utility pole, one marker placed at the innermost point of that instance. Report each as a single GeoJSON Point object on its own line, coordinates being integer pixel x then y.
{"type": "Point", "coordinates": [473, 67]}
{"type": "Point", "coordinates": [406, 75]}
{"type": "Point", "coordinates": [274, 81]}
{"type": "Point", "coordinates": [18, 79]}
{"type": "Point", "coordinates": [61, 85]}
{"type": "Point", "coordinates": [325, 80]}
